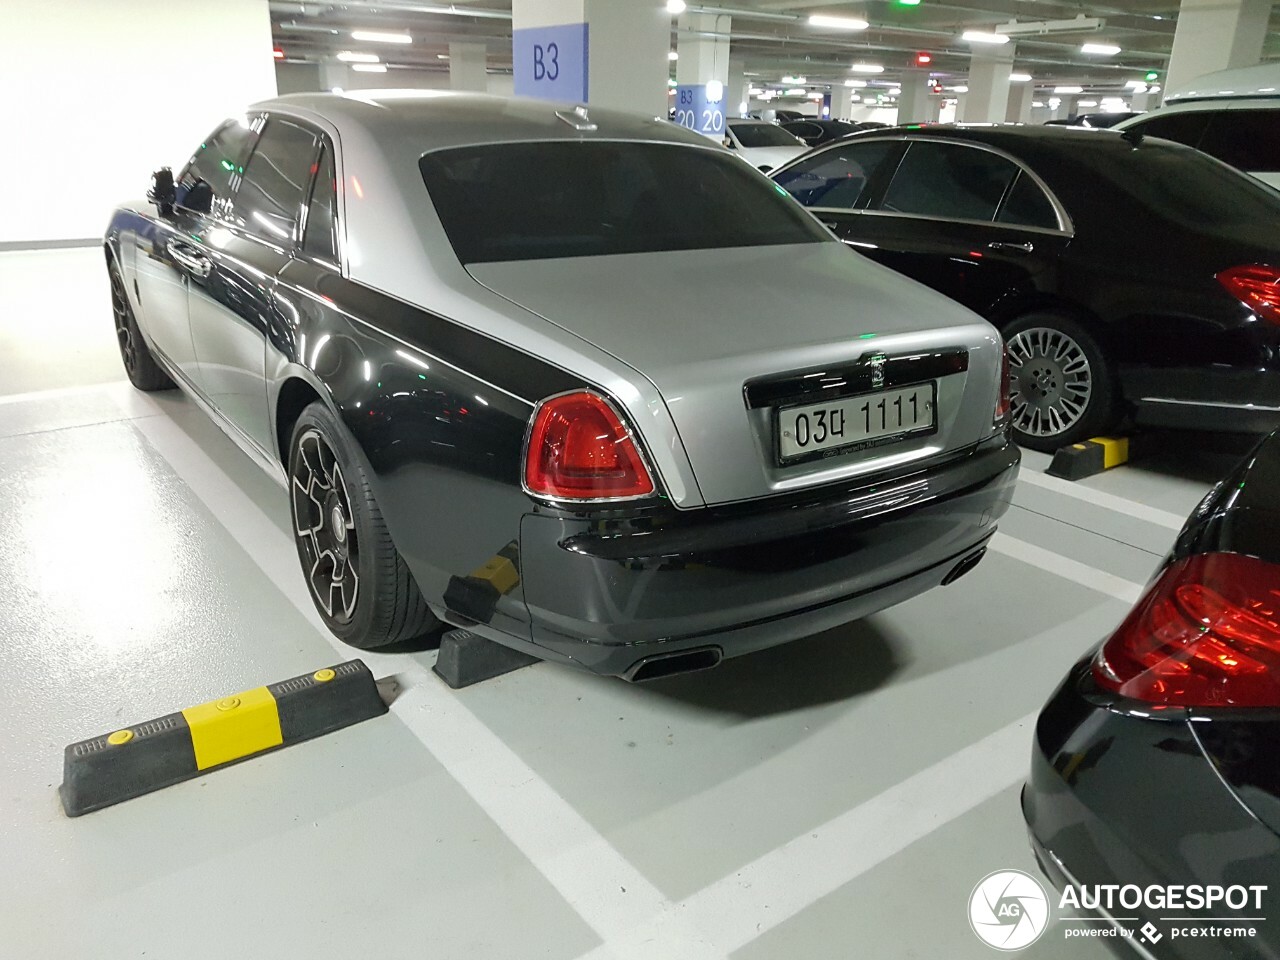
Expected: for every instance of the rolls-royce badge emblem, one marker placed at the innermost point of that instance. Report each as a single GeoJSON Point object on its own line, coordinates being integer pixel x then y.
{"type": "Point", "coordinates": [877, 370]}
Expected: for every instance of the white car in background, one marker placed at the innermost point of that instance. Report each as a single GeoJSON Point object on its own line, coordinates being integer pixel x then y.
{"type": "Point", "coordinates": [762, 144]}
{"type": "Point", "coordinates": [1233, 115]}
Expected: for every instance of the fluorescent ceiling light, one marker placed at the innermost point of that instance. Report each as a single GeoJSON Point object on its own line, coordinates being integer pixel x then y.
{"type": "Point", "coordinates": [442, 56]}
{"type": "Point", "coordinates": [1020, 78]}
{"type": "Point", "coordinates": [959, 89]}
{"type": "Point", "coordinates": [795, 80]}
{"type": "Point", "coordinates": [838, 23]}
{"type": "Point", "coordinates": [1101, 49]}
{"type": "Point", "coordinates": [672, 55]}
{"type": "Point", "coordinates": [369, 67]}
{"type": "Point", "coordinates": [1037, 103]}
{"type": "Point", "coordinates": [671, 83]}
{"type": "Point", "coordinates": [981, 36]}
{"type": "Point", "coordinates": [1068, 89]}
{"type": "Point", "coordinates": [867, 68]}
{"type": "Point", "coordinates": [1086, 103]}
{"type": "Point", "coordinates": [1139, 86]}
{"type": "Point", "coordinates": [346, 56]}
{"type": "Point", "coordinates": [676, 6]}
{"type": "Point", "coordinates": [796, 92]}
{"type": "Point", "coordinates": [859, 84]}
{"type": "Point", "coordinates": [380, 36]}
{"type": "Point", "coordinates": [895, 91]}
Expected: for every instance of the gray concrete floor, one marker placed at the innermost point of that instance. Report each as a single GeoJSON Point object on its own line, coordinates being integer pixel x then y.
{"type": "Point", "coordinates": [839, 796]}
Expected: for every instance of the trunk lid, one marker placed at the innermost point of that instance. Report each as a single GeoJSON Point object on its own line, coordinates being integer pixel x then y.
{"type": "Point", "coordinates": [704, 325]}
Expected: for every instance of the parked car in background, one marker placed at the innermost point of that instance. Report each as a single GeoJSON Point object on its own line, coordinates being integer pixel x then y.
{"type": "Point", "coordinates": [525, 368]}
{"type": "Point", "coordinates": [1233, 115]}
{"type": "Point", "coordinates": [1129, 276]}
{"type": "Point", "coordinates": [816, 132]}
{"type": "Point", "coordinates": [1155, 763]}
{"type": "Point", "coordinates": [762, 144]}
{"type": "Point", "coordinates": [1096, 121]}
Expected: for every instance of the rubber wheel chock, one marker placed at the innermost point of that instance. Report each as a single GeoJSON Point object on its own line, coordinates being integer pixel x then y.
{"type": "Point", "coordinates": [1080, 460]}
{"type": "Point", "coordinates": [466, 659]}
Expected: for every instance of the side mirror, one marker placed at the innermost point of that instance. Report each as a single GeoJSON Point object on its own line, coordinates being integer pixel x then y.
{"type": "Point", "coordinates": [162, 192]}
{"type": "Point", "coordinates": [728, 143]}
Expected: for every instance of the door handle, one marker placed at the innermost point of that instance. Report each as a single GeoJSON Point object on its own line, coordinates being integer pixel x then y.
{"type": "Point", "coordinates": [1020, 247]}
{"type": "Point", "coordinates": [194, 263]}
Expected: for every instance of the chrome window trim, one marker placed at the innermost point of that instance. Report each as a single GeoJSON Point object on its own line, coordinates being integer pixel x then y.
{"type": "Point", "coordinates": [1217, 404]}
{"type": "Point", "coordinates": [1066, 227]}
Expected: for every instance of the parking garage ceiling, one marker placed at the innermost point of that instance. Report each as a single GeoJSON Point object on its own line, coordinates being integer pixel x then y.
{"type": "Point", "coordinates": [775, 38]}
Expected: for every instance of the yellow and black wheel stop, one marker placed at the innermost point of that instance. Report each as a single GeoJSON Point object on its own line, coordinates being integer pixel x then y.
{"type": "Point", "coordinates": [134, 760]}
{"type": "Point", "coordinates": [1080, 460]}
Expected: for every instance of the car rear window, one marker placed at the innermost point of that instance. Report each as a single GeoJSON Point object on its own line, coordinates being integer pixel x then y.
{"type": "Point", "coordinates": [1248, 139]}
{"type": "Point", "coordinates": [1189, 187]}
{"type": "Point", "coordinates": [541, 200]}
{"type": "Point", "coordinates": [763, 135]}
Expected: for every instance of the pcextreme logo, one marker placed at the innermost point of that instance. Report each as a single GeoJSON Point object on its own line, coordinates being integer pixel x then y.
{"type": "Point", "coordinates": [1009, 910]}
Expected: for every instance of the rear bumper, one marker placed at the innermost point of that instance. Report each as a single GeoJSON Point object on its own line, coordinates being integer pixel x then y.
{"type": "Point", "coordinates": [1122, 799]}
{"type": "Point", "coordinates": [608, 596]}
{"type": "Point", "coordinates": [1234, 399]}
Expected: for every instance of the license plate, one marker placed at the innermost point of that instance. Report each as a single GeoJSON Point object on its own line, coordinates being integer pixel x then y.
{"type": "Point", "coordinates": [870, 418]}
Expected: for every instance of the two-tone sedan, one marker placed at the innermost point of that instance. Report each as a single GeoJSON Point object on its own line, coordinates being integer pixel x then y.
{"type": "Point", "coordinates": [523, 368]}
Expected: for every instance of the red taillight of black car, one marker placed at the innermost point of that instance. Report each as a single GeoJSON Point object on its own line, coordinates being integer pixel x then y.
{"type": "Point", "coordinates": [1257, 286]}
{"type": "Point", "coordinates": [1206, 634]}
{"type": "Point", "coordinates": [579, 449]}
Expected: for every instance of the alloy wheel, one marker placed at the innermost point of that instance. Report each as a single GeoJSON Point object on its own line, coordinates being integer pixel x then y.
{"type": "Point", "coordinates": [124, 326]}
{"type": "Point", "coordinates": [325, 526]}
{"type": "Point", "coordinates": [1051, 381]}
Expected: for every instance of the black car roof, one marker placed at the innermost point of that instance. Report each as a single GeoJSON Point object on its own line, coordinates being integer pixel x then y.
{"type": "Point", "coordinates": [1014, 136]}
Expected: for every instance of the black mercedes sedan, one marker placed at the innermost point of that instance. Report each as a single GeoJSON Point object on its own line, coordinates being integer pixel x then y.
{"type": "Point", "coordinates": [1154, 795]}
{"type": "Point", "coordinates": [1132, 277]}
{"type": "Point", "coordinates": [503, 357]}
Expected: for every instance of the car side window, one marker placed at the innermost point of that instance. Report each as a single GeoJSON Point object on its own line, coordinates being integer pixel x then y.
{"type": "Point", "coordinates": [1246, 139]}
{"type": "Point", "coordinates": [805, 131]}
{"type": "Point", "coordinates": [272, 191]}
{"type": "Point", "coordinates": [949, 181]}
{"type": "Point", "coordinates": [319, 238]}
{"type": "Point", "coordinates": [1026, 205]}
{"type": "Point", "coordinates": [837, 177]}
{"type": "Point", "coordinates": [212, 175]}
{"type": "Point", "coordinates": [1185, 128]}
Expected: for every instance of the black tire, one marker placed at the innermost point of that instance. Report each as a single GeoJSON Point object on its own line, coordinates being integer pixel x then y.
{"type": "Point", "coordinates": [139, 364]}
{"type": "Point", "coordinates": [1062, 384]}
{"type": "Point", "coordinates": [360, 584]}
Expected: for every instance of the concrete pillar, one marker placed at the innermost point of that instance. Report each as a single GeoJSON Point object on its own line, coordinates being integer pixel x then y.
{"type": "Point", "coordinates": [1216, 35]}
{"type": "Point", "coordinates": [334, 74]}
{"type": "Point", "coordinates": [702, 72]}
{"type": "Point", "coordinates": [467, 70]}
{"type": "Point", "coordinates": [1140, 102]}
{"type": "Point", "coordinates": [610, 53]}
{"type": "Point", "coordinates": [841, 102]}
{"type": "Point", "coordinates": [988, 96]}
{"type": "Point", "coordinates": [1066, 107]}
{"type": "Point", "coordinates": [737, 89]}
{"type": "Point", "coordinates": [913, 104]}
{"type": "Point", "coordinates": [1020, 97]}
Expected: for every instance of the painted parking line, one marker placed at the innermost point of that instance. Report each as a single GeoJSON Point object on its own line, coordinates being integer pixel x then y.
{"type": "Point", "coordinates": [739, 908]}
{"type": "Point", "coordinates": [1098, 498]}
{"type": "Point", "coordinates": [1068, 569]}
{"type": "Point", "coordinates": [595, 880]}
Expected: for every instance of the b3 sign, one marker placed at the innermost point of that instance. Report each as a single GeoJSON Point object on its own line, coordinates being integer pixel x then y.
{"type": "Point", "coordinates": [696, 110]}
{"type": "Point", "coordinates": [551, 62]}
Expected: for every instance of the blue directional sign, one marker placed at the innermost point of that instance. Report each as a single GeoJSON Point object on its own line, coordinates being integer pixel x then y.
{"type": "Point", "coordinates": [696, 110]}
{"type": "Point", "coordinates": [551, 62]}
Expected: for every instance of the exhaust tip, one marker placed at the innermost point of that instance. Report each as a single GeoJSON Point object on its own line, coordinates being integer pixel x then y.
{"type": "Point", "coordinates": [964, 566]}
{"type": "Point", "coordinates": [671, 664]}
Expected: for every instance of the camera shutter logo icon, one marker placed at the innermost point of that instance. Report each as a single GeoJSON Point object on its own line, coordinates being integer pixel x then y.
{"type": "Point", "coordinates": [1008, 910]}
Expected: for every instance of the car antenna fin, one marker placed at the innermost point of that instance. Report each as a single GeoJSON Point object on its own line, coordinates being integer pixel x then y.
{"type": "Point", "coordinates": [577, 118]}
{"type": "Point", "coordinates": [1133, 136]}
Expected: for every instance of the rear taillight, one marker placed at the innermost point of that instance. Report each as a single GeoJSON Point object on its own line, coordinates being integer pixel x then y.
{"type": "Point", "coordinates": [1206, 634]}
{"type": "Point", "coordinates": [1257, 286]}
{"type": "Point", "coordinates": [1003, 399]}
{"type": "Point", "coordinates": [579, 449]}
